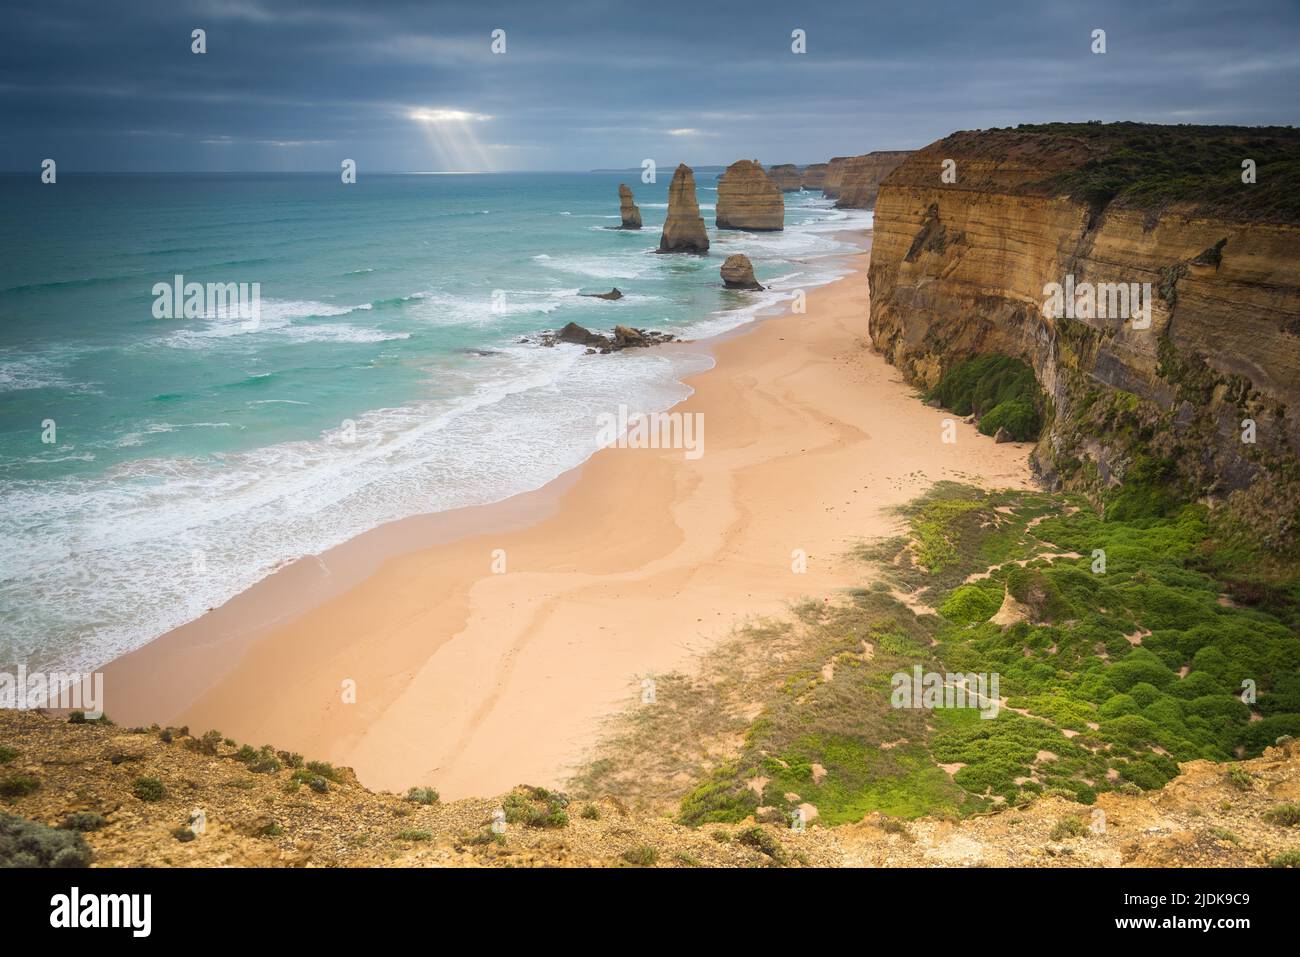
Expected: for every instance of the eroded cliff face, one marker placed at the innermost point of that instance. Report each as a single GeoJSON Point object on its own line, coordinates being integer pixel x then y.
{"type": "Point", "coordinates": [861, 177]}
{"type": "Point", "coordinates": [814, 176]}
{"type": "Point", "coordinates": [748, 199]}
{"type": "Point", "coordinates": [831, 178]}
{"type": "Point", "coordinates": [961, 268]}
{"type": "Point", "coordinates": [787, 177]}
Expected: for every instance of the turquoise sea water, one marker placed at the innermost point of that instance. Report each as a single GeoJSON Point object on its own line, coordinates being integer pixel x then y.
{"type": "Point", "coordinates": [384, 378]}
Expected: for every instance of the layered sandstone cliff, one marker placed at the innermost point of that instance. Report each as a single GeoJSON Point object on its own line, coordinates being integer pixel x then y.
{"type": "Point", "coordinates": [1207, 383]}
{"type": "Point", "coordinates": [627, 208]}
{"type": "Point", "coordinates": [814, 176]}
{"type": "Point", "coordinates": [787, 177]}
{"type": "Point", "coordinates": [748, 199]}
{"type": "Point", "coordinates": [861, 176]}
{"type": "Point", "coordinates": [684, 230]}
{"type": "Point", "coordinates": [831, 178]}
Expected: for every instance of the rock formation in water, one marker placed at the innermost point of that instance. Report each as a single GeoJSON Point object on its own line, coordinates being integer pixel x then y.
{"type": "Point", "coordinates": [628, 209]}
{"type": "Point", "coordinates": [1169, 344]}
{"type": "Point", "coordinates": [613, 294]}
{"type": "Point", "coordinates": [748, 199]}
{"type": "Point", "coordinates": [624, 337]}
{"type": "Point", "coordinates": [831, 178]}
{"type": "Point", "coordinates": [738, 273]}
{"type": "Point", "coordinates": [684, 230]}
{"type": "Point", "coordinates": [814, 176]}
{"type": "Point", "coordinates": [787, 177]}
{"type": "Point", "coordinates": [861, 177]}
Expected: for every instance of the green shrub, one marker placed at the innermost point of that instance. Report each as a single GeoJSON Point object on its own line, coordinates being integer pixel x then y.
{"type": "Point", "coordinates": [246, 754]}
{"type": "Point", "coordinates": [1019, 416]}
{"type": "Point", "coordinates": [148, 789]}
{"type": "Point", "coordinates": [207, 744]}
{"type": "Point", "coordinates": [536, 807]}
{"type": "Point", "coordinates": [641, 856]}
{"type": "Point", "coordinates": [1240, 778]}
{"type": "Point", "coordinates": [1289, 858]}
{"type": "Point", "coordinates": [422, 796]}
{"type": "Point", "coordinates": [7, 754]}
{"type": "Point", "coordinates": [591, 813]}
{"type": "Point", "coordinates": [1069, 827]}
{"type": "Point", "coordinates": [414, 835]}
{"type": "Point", "coordinates": [486, 836]}
{"type": "Point", "coordinates": [759, 839]}
{"type": "Point", "coordinates": [18, 785]}
{"type": "Point", "coordinates": [25, 843]}
{"type": "Point", "coordinates": [326, 770]}
{"type": "Point", "coordinates": [1150, 489]}
{"type": "Point", "coordinates": [1284, 815]}
{"type": "Point", "coordinates": [84, 821]}
{"type": "Point", "coordinates": [982, 384]}
{"type": "Point", "coordinates": [970, 604]}
{"type": "Point", "coordinates": [310, 778]}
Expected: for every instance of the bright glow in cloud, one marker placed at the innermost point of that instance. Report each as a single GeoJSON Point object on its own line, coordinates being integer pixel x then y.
{"type": "Point", "coordinates": [447, 116]}
{"type": "Point", "coordinates": [684, 131]}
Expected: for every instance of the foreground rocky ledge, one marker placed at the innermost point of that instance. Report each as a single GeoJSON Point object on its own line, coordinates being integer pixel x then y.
{"type": "Point", "coordinates": [262, 811]}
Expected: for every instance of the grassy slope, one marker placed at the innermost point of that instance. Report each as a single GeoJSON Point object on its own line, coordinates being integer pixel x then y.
{"type": "Point", "coordinates": [1133, 710]}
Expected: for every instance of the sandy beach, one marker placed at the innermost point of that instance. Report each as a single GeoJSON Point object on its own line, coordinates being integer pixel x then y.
{"type": "Point", "coordinates": [473, 680]}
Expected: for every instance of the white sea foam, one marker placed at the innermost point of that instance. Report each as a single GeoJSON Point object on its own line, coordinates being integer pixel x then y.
{"type": "Point", "coordinates": [117, 550]}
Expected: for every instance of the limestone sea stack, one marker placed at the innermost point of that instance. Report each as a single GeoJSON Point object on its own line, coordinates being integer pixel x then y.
{"type": "Point", "coordinates": [834, 172]}
{"type": "Point", "coordinates": [862, 176]}
{"type": "Point", "coordinates": [787, 177]}
{"type": "Point", "coordinates": [814, 176]}
{"type": "Point", "coordinates": [738, 273]}
{"type": "Point", "coordinates": [628, 209]}
{"type": "Point", "coordinates": [684, 230]}
{"type": "Point", "coordinates": [748, 199]}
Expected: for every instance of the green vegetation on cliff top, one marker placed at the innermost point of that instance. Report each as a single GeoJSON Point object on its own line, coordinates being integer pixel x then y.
{"type": "Point", "coordinates": [1148, 166]}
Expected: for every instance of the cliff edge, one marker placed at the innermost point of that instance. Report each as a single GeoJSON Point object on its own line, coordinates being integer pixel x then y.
{"type": "Point", "coordinates": [1153, 289]}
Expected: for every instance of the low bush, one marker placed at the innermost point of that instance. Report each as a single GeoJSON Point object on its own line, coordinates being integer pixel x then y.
{"type": "Point", "coordinates": [148, 789]}
{"type": "Point", "coordinates": [25, 843]}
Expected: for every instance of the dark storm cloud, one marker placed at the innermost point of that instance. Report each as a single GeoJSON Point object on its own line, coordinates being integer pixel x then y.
{"type": "Point", "coordinates": [300, 85]}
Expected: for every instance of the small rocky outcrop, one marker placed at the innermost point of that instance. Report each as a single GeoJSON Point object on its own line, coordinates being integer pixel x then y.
{"type": "Point", "coordinates": [576, 334]}
{"type": "Point", "coordinates": [627, 208]}
{"type": "Point", "coordinates": [624, 337]}
{"type": "Point", "coordinates": [748, 199]}
{"type": "Point", "coordinates": [787, 176]}
{"type": "Point", "coordinates": [612, 295]}
{"type": "Point", "coordinates": [738, 273]}
{"type": "Point", "coordinates": [684, 230]}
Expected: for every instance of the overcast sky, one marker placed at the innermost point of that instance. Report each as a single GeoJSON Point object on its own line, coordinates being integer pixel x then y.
{"type": "Point", "coordinates": [407, 85]}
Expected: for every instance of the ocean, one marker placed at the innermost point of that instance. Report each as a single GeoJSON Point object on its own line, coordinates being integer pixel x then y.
{"type": "Point", "coordinates": [152, 468]}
